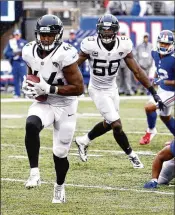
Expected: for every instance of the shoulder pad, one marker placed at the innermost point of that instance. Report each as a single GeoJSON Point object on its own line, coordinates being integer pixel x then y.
{"type": "Point", "coordinates": [87, 44]}
{"type": "Point", "coordinates": [126, 44]}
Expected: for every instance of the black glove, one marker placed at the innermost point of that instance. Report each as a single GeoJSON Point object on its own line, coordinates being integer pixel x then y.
{"type": "Point", "coordinates": [159, 101]}
{"type": "Point", "coordinates": [156, 97]}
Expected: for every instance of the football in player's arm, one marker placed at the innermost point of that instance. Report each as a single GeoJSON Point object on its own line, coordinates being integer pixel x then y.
{"type": "Point", "coordinates": [55, 63]}
{"type": "Point", "coordinates": [104, 53]}
{"type": "Point", "coordinates": [164, 58]}
{"type": "Point", "coordinates": [167, 173]}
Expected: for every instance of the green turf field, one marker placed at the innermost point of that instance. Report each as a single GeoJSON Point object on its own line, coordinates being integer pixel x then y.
{"type": "Point", "coordinates": [106, 185]}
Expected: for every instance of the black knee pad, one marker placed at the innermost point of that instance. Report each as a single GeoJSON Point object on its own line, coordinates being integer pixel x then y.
{"type": "Point", "coordinates": [33, 124]}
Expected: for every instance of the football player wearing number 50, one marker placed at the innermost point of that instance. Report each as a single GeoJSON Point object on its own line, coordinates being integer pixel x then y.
{"type": "Point", "coordinates": [104, 53]}
{"type": "Point", "coordinates": [164, 58]}
{"type": "Point", "coordinates": [55, 62]}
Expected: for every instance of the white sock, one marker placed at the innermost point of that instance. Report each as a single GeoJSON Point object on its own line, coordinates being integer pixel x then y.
{"type": "Point", "coordinates": [132, 154]}
{"type": "Point", "coordinates": [34, 171]}
{"type": "Point", "coordinates": [86, 138]}
{"type": "Point", "coordinates": [152, 131]}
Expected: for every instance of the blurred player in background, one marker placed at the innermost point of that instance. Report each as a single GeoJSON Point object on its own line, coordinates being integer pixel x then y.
{"type": "Point", "coordinates": [164, 59]}
{"type": "Point", "coordinates": [55, 63]}
{"type": "Point", "coordinates": [73, 40]}
{"type": "Point", "coordinates": [13, 52]}
{"type": "Point", "coordinates": [144, 58]}
{"type": "Point", "coordinates": [104, 53]}
{"type": "Point", "coordinates": [124, 76]}
{"type": "Point", "coordinates": [163, 167]}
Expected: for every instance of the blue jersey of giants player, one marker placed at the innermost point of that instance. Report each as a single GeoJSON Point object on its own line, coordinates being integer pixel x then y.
{"type": "Point", "coordinates": [164, 58]}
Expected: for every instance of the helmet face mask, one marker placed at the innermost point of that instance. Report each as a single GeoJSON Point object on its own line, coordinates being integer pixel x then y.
{"type": "Point", "coordinates": [48, 32]}
{"type": "Point", "coordinates": [165, 42]}
{"type": "Point", "coordinates": [107, 28]}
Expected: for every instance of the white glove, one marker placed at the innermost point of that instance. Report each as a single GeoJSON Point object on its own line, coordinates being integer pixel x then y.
{"type": "Point", "coordinates": [40, 88]}
{"type": "Point", "coordinates": [24, 84]}
{"type": "Point", "coordinates": [30, 94]}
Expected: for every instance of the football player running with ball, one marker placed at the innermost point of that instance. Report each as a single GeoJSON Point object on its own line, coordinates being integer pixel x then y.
{"type": "Point", "coordinates": [55, 63]}
{"type": "Point", "coordinates": [104, 52]}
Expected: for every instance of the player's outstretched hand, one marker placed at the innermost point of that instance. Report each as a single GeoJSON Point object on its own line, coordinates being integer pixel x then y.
{"type": "Point", "coordinates": [40, 88]}
{"type": "Point", "coordinates": [151, 185]}
{"type": "Point", "coordinates": [157, 99]}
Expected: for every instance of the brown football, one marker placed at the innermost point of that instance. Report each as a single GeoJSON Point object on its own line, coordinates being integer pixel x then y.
{"type": "Point", "coordinates": [36, 79]}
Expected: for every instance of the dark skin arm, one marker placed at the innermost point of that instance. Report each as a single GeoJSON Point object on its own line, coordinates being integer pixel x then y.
{"type": "Point", "coordinates": [169, 82]}
{"type": "Point", "coordinates": [82, 58]}
{"type": "Point", "coordinates": [74, 79]}
{"type": "Point", "coordinates": [137, 70]}
{"type": "Point", "coordinates": [164, 155]}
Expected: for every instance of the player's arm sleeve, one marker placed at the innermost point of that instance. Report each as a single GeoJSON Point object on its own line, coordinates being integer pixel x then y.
{"type": "Point", "coordinates": [128, 46]}
{"type": "Point", "coordinates": [85, 46]}
{"type": "Point", "coordinates": [71, 56]}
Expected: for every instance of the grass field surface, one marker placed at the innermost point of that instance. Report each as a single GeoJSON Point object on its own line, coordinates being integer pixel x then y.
{"type": "Point", "coordinates": [106, 185]}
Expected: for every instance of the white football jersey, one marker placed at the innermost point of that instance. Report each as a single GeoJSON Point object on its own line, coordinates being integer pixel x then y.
{"type": "Point", "coordinates": [104, 64]}
{"type": "Point", "coordinates": [51, 67]}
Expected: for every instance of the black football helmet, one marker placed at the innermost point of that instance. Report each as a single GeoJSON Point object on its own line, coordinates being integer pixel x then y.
{"type": "Point", "coordinates": [107, 28]}
{"type": "Point", "coordinates": [49, 24]}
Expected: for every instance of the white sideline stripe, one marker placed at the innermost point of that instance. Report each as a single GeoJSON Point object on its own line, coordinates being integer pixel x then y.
{"type": "Point", "coordinates": [79, 115]}
{"type": "Point", "coordinates": [149, 153]}
{"type": "Point", "coordinates": [80, 99]}
{"type": "Point", "coordinates": [86, 130]}
{"type": "Point", "coordinates": [18, 156]}
{"type": "Point", "coordinates": [74, 154]}
{"type": "Point", "coordinates": [97, 187]}
{"type": "Point", "coordinates": [12, 116]}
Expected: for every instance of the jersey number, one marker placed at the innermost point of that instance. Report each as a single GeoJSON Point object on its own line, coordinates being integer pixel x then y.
{"type": "Point", "coordinates": [51, 79]}
{"type": "Point", "coordinates": [163, 74]}
{"type": "Point", "coordinates": [102, 70]}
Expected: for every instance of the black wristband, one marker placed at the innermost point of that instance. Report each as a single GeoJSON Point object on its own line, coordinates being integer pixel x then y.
{"type": "Point", "coordinates": [52, 89]}
{"type": "Point", "coordinates": [152, 90]}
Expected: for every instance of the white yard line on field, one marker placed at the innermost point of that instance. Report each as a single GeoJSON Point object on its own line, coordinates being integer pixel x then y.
{"type": "Point", "coordinates": [79, 115]}
{"type": "Point", "coordinates": [73, 154]}
{"type": "Point", "coordinates": [87, 130]}
{"type": "Point", "coordinates": [97, 187]}
{"type": "Point", "coordinates": [80, 99]}
{"type": "Point", "coordinates": [115, 152]}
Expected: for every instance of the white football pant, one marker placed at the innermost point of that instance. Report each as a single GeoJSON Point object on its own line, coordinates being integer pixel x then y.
{"type": "Point", "coordinates": [64, 123]}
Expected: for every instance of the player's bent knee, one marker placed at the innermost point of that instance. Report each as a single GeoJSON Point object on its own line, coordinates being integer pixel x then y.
{"type": "Point", "coordinates": [162, 180]}
{"type": "Point", "coordinates": [33, 124]}
{"type": "Point", "coordinates": [60, 151]}
{"type": "Point", "coordinates": [165, 119]}
{"type": "Point", "coordinates": [150, 108]}
{"type": "Point", "coordinates": [117, 127]}
{"type": "Point", "coordinates": [106, 125]}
